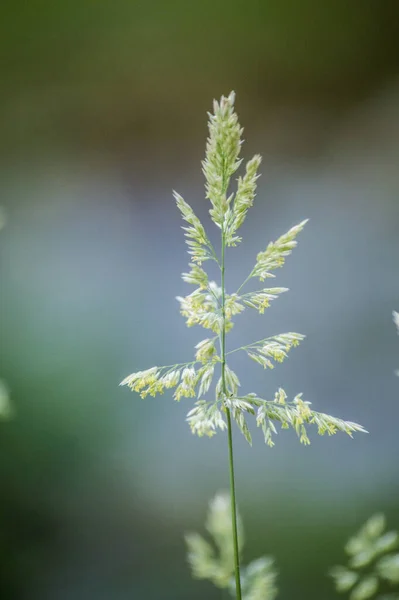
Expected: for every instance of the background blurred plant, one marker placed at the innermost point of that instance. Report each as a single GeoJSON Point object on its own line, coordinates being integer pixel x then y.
{"type": "Point", "coordinates": [372, 570]}
{"type": "Point", "coordinates": [372, 561]}
{"type": "Point", "coordinates": [373, 564]}
{"type": "Point", "coordinates": [216, 562]}
{"type": "Point", "coordinates": [5, 406]}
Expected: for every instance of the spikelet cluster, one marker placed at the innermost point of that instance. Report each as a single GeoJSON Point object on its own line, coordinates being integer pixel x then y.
{"type": "Point", "coordinates": [221, 160]}
{"type": "Point", "coordinates": [276, 252]}
{"type": "Point", "coordinates": [214, 308]}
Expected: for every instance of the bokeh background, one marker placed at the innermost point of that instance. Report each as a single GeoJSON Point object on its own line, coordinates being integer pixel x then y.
{"type": "Point", "coordinates": [103, 113]}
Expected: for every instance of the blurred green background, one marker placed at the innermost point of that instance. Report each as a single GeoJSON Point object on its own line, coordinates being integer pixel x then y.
{"type": "Point", "coordinates": [103, 113]}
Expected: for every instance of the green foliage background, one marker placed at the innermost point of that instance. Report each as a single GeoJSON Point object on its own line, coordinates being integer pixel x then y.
{"type": "Point", "coordinates": [103, 112]}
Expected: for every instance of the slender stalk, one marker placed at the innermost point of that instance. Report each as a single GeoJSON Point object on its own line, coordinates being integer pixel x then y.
{"type": "Point", "coordinates": [234, 509]}
{"type": "Point", "coordinates": [244, 282]}
{"type": "Point", "coordinates": [230, 441]}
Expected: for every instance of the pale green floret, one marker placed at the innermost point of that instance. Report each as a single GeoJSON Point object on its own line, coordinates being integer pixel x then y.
{"type": "Point", "coordinates": [215, 561]}
{"type": "Point", "coordinates": [201, 308]}
{"type": "Point", "coordinates": [196, 276]}
{"type": "Point", "coordinates": [232, 384]}
{"type": "Point", "coordinates": [246, 191]}
{"type": "Point", "coordinates": [200, 248]}
{"type": "Point", "coordinates": [372, 561]}
{"type": "Point", "coordinates": [146, 382]}
{"type": "Point", "coordinates": [135, 377]}
{"type": "Point", "coordinates": [170, 380]}
{"type": "Point", "coordinates": [276, 252]}
{"type": "Point", "coordinates": [205, 350]}
{"type": "Point", "coordinates": [270, 349]}
{"type": "Point", "coordinates": [280, 396]}
{"type": "Point", "coordinates": [206, 379]}
{"type": "Point", "coordinates": [205, 418]}
{"type": "Point", "coordinates": [155, 380]}
{"type": "Point", "coordinates": [221, 160]}
{"type": "Point", "coordinates": [189, 380]}
{"type": "Point", "coordinates": [233, 305]}
{"type": "Point", "coordinates": [262, 298]}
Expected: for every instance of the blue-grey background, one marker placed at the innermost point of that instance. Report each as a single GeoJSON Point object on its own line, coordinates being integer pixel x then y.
{"type": "Point", "coordinates": [103, 113]}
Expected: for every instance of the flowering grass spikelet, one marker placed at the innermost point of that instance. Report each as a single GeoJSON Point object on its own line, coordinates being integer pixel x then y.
{"type": "Point", "coordinates": [205, 350]}
{"type": "Point", "coordinates": [276, 252]}
{"type": "Point", "coordinates": [221, 160]}
{"type": "Point", "coordinates": [200, 248]}
{"type": "Point", "coordinates": [246, 190]}
{"type": "Point", "coordinates": [206, 418]}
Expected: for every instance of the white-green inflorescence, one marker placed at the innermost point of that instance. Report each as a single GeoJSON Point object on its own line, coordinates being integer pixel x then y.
{"type": "Point", "coordinates": [214, 309]}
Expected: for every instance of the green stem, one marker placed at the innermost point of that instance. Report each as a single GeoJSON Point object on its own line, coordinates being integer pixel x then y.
{"type": "Point", "coordinates": [230, 440]}
{"type": "Point", "coordinates": [234, 508]}
{"type": "Point", "coordinates": [244, 282]}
